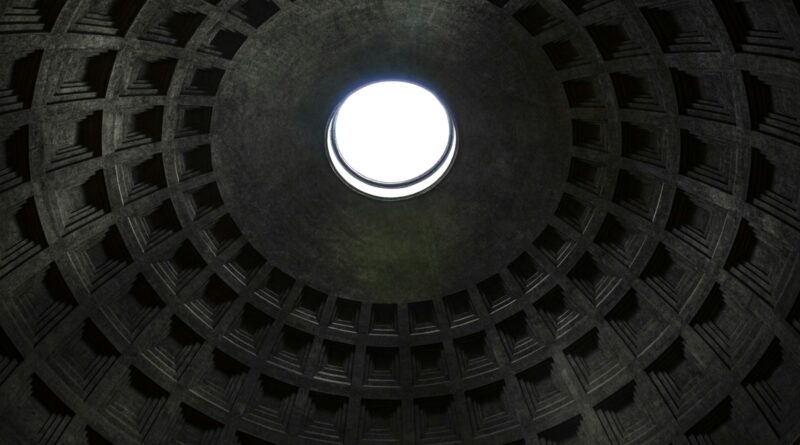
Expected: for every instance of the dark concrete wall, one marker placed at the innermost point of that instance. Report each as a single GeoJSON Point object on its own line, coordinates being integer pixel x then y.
{"type": "Point", "coordinates": [612, 260]}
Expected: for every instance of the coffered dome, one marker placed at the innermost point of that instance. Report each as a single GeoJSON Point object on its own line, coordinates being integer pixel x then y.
{"type": "Point", "coordinates": [611, 255]}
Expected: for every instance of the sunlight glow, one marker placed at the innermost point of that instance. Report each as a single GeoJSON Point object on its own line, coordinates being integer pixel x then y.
{"type": "Point", "coordinates": [391, 140]}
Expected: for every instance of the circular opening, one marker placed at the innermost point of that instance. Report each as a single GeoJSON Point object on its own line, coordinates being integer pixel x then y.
{"type": "Point", "coordinates": [391, 140]}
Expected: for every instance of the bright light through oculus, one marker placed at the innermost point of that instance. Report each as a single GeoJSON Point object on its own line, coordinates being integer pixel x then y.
{"type": "Point", "coordinates": [391, 140]}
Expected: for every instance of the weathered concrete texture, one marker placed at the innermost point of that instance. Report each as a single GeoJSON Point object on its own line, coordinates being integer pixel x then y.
{"type": "Point", "coordinates": [612, 260]}
{"type": "Point", "coordinates": [513, 138]}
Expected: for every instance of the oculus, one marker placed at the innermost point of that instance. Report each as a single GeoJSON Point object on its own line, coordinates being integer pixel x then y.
{"type": "Point", "coordinates": [391, 140]}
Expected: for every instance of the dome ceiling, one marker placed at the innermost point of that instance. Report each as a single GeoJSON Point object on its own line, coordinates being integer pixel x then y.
{"type": "Point", "coordinates": [278, 185]}
{"type": "Point", "coordinates": [613, 258]}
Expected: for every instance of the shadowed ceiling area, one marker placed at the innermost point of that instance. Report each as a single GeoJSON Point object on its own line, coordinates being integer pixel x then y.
{"type": "Point", "coordinates": [613, 257]}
